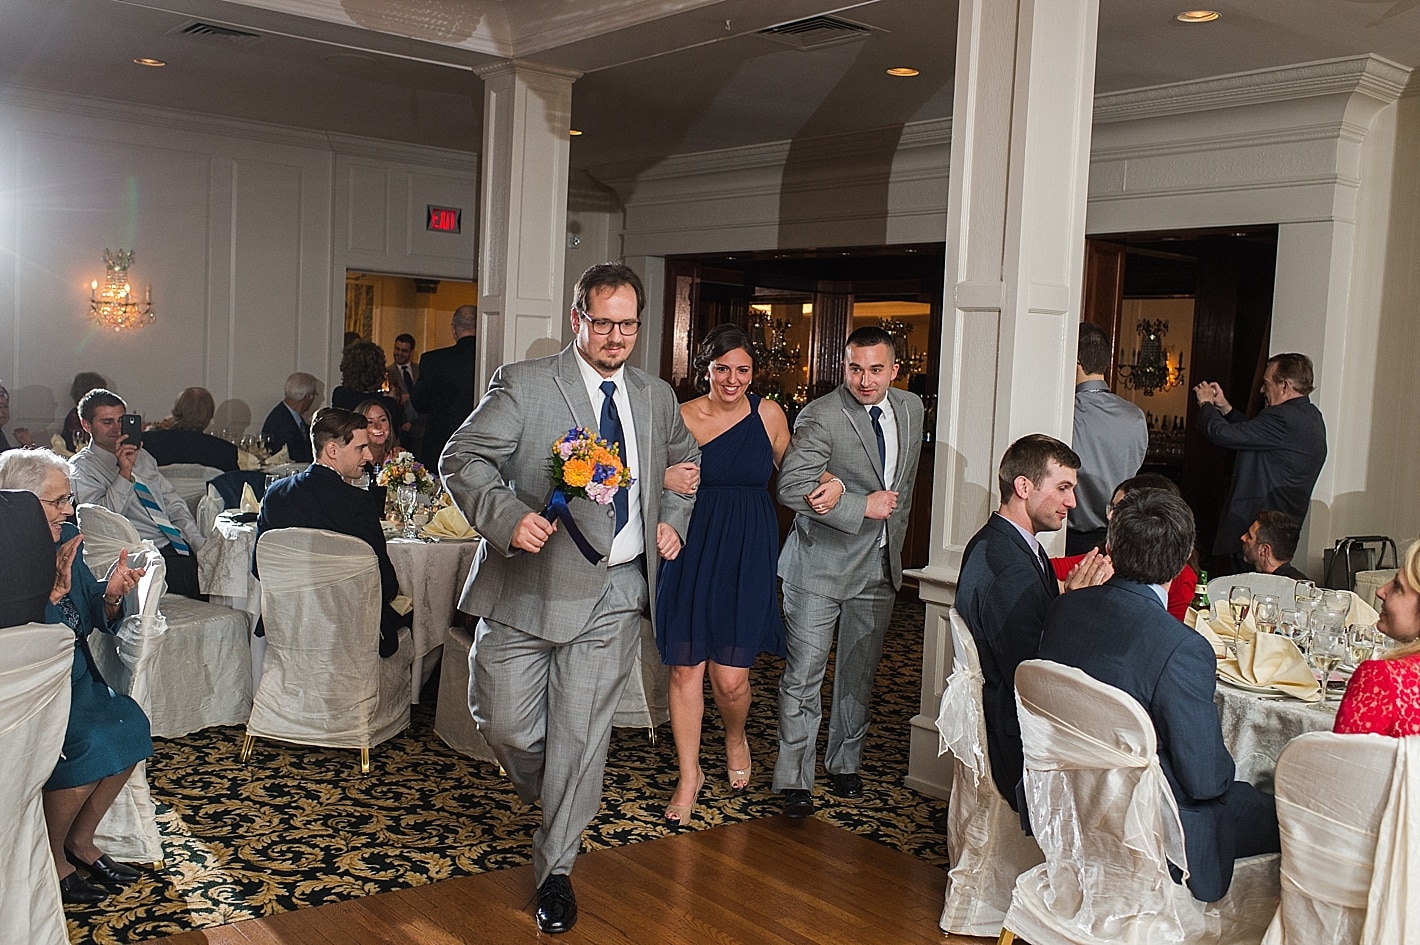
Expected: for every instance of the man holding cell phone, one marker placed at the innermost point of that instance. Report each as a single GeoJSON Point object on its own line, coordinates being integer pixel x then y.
{"type": "Point", "coordinates": [114, 471]}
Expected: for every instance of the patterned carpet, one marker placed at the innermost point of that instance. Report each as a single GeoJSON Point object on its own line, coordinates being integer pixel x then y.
{"type": "Point", "coordinates": [299, 827]}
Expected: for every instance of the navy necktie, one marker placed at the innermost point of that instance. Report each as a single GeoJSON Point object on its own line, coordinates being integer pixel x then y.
{"type": "Point", "coordinates": [876, 413]}
{"type": "Point", "coordinates": [1045, 563]}
{"type": "Point", "coordinates": [610, 426]}
{"type": "Point", "coordinates": [408, 381]}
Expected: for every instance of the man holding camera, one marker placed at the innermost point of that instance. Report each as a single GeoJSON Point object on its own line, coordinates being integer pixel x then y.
{"type": "Point", "coordinates": [114, 471]}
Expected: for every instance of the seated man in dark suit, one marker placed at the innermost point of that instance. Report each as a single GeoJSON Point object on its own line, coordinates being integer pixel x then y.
{"type": "Point", "coordinates": [320, 497]}
{"type": "Point", "coordinates": [1120, 633]}
{"type": "Point", "coordinates": [1269, 544]}
{"type": "Point", "coordinates": [1007, 584]}
{"type": "Point", "coordinates": [286, 424]}
{"type": "Point", "coordinates": [185, 439]}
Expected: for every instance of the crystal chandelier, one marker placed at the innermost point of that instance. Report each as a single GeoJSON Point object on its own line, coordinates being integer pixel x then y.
{"type": "Point", "coordinates": [1154, 368]}
{"type": "Point", "coordinates": [112, 304]}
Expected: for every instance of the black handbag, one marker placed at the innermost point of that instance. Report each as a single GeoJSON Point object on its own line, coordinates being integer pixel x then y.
{"type": "Point", "coordinates": [1350, 556]}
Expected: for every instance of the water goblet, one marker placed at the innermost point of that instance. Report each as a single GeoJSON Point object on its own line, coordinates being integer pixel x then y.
{"type": "Point", "coordinates": [1363, 644]}
{"type": "Point", "coordinates": [1267, 611]}
{"type": "Point", "coordinates": [1292, 624]}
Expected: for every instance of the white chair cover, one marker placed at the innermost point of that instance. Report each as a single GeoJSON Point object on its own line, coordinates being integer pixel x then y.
{"type": "Point", "coordinates": [1106, 819]}
{"type": "Point", "coordinates": [208, 508]}
{"type": "Point", "coordinates": [1279, 586]}
{"type": "Point", "coordinates": [645, 702]}
{"type": "Point", "coordinates": [323, 681]}
{"type": "Point", "coordinates": [201, 675]}
{"type": "Point", "coordinates": [129, 831]}
{"type": "Point", "coordinates": [1346, 807]}
{"type": "Point", "coordinates": [189, 480]}
{"type": "Point", "coordinates": [34, 713]}
{"type": "Point", "coordinates": [985, 843]}
{"type": "Point", "coordinates": [453, 721]}
{"type": "Point", "coordinates": [105, 535]}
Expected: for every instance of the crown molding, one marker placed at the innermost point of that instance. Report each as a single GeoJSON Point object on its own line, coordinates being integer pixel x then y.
{"type": "Point", "coordinates": [1369, 75]}
{"type": "Point", "coordinates": [176, 121]}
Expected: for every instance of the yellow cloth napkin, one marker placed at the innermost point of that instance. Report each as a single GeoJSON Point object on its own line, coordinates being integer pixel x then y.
{"type": "Point", "coordinates": [401, 604]}
{"type": "Point", "coordinates": [1273, 662]}
{"type": "Point", "coordinates": [247, 460]}
{"type": "Point", "coordinates": [1198, 622]}
{"type": "Point", "coordinates": [449, 523]}
{"type": "Point", "coordinates": [279, 458]}
{"type": "Point", "coordinates": [1362, 614]}
{"type": "Point", "coordinates": [249, 502]}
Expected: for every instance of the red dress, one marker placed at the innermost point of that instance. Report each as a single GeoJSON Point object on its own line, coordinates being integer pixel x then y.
{"type": "Point", "coordinates": [1383, 698]}
{"type": "Point", "coordinates": [1180, 591]}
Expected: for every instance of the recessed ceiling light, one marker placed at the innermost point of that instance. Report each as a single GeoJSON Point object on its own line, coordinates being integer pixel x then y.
{"type": "Point", "coordinates": [154, 63]}
{"type": "Point", "coordinates": [574, 132]}
{"type": "Point", "coordinates": [903, 71]}
{"type": "Point", "coordinates": [1197, 16]}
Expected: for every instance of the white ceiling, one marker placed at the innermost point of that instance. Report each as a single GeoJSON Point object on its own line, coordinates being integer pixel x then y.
{"type": "Point", "coordinates": [660, 76]}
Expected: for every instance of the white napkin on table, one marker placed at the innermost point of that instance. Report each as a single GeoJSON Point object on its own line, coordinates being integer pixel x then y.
{"type": "Point", "coordinates": [249, 501]}
{"type": "Point", "coordinates": [1272, 661]}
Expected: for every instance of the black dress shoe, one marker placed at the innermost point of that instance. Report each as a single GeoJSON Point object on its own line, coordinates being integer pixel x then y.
{"type": "Point", "coordinates": [76, 890]}
{"type": "Point", "coordinates": [105, 869]}
{"type": "Point", "coordinates": [556, 905]}
{"type": "Point", "coordinates": [848, 785]}
{"type": "Point", "coordinates": [798, 803]}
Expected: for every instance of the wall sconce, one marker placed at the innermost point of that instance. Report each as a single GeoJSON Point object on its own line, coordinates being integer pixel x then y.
{"type": "Point", "coordinates": [112, 305]}
{"type": "Point", "coordinates": [1154, 368]}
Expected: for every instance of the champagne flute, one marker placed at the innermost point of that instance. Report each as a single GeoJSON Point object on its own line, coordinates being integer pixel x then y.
{"type": "Point", "coordinates": [1267, 611]}
{"type": "Point", "coordinates": [1328, 648]}
{"type": "Point", "coordinates": [1239, 602]}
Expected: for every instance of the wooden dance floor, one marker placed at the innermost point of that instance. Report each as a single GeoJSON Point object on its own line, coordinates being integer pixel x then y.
{"type": "Point", "coordinates": [760, 882]}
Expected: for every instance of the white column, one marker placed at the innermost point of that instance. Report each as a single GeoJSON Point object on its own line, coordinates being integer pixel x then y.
{"type": "Point", "coordinates": [1015, 248]}
{"type": "Point", "coordinates": [527, 111]}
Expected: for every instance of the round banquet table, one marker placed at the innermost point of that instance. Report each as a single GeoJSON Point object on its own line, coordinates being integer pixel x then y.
{"type": "Point", "coordinates": [1257, 727]}
{"type": "Point", "coordinates": [431, 574]}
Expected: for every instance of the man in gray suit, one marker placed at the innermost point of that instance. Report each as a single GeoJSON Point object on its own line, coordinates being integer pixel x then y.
{"type": "Point", "coordinates": [848, 476]}
{"type": "Point", "coordinates": [558, 635]}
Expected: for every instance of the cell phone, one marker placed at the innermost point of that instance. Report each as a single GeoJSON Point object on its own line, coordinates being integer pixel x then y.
{"type": "Point", "coordinates": [131, 426]}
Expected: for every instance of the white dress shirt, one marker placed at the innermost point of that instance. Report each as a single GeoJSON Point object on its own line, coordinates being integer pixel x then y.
{"type": "Point", "coordinates": [630, 542]}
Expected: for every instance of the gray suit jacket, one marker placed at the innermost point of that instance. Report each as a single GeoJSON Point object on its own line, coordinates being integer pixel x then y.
{"type": "Point", "coordinates": [834, 554]}
{"type": "Point", "coordinates": [508, 440]}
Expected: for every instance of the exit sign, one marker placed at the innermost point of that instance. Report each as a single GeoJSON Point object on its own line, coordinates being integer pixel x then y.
{"type": "Point", "coordinates": [443, 219]}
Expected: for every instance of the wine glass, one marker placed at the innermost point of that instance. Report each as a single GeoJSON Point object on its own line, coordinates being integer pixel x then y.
{"type": "Point", "coordinates": [1336, 604]}
{"type": "Point", "coordinates": [1293, 625]}
{"type": "Point", "coordinates": [1267, 611]}
{"type": "Point", "coordinates": [1308, 600]}
{"type": "Point", "coordinates": [407, 497]}
{"type": "Point", "coordinates": [1239, 603]}
{"type": "Point", "coordinates": [1363, 644]}
{"type": "Point", "coordinates": [1329, 647]}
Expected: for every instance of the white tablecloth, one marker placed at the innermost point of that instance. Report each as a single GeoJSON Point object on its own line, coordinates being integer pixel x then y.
{"type": "Point", "coordinates": [1256, 728]}
{"type": "Point", "coordinates": [430, 573]}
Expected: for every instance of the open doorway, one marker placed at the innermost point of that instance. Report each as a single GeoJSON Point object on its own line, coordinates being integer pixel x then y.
{"type": "Point", "coordinates": [381, 307]}
{"type": "Point", "coordinates": [1184, 307]}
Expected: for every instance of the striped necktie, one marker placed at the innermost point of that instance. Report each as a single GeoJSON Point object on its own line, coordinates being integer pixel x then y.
{"type": "Point", "coordinates": [160, 518]}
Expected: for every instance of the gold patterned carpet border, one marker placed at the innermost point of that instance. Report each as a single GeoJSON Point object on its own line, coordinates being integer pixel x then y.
{"type": "Point", "coordinates": [299, 826]}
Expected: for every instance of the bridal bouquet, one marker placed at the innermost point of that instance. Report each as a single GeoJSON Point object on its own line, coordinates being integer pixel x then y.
{"type": "Point", "coordinates": [585, 467]}
{"type": "Point", "coordinates": [405, 470]}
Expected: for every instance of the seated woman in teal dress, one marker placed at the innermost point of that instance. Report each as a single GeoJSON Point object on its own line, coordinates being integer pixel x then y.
{"type": "Point", "coordinates": [108, 733]}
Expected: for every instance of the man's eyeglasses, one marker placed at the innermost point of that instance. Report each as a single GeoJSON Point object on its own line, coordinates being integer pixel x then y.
{"type": "Point", "coordinates": [603, 326]}
{"type": "Point", "coordinates": [60, 502]}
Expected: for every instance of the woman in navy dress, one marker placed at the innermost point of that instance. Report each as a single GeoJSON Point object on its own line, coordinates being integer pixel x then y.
{"type": "Point", "coordinates": [108, 733]}
{"type": "Point", "coordinates": [716, 604]}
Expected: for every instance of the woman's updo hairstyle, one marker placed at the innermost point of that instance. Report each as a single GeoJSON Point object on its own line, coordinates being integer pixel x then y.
{"type": "Point", "coordinates": [719, 341]}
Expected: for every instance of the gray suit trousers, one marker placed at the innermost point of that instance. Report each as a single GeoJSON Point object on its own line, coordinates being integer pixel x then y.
{"type": "Point", "coordinates": [809, 621]}
{"type": "Point", "coordinates": [546, 711]}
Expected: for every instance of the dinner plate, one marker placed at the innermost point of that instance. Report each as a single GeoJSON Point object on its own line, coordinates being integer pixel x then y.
{"type": "Point", "coordinates": [1248, 687]}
